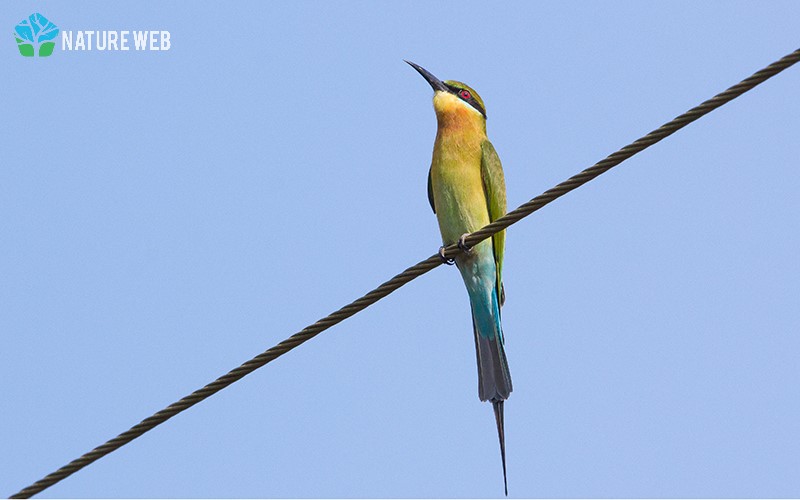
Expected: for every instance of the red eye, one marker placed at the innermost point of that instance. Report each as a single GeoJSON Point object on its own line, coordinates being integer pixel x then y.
{"type": "Point", "coordinates": [465, 94]}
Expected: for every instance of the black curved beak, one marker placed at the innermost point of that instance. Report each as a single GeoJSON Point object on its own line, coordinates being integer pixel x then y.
{"type": "Point", "coordinates": [435, 82]}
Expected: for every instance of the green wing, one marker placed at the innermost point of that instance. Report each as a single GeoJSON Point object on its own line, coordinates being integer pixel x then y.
{"type": "Point", "coordinates": [430, 192]}
{"type": "Point", "coordinates": [494, 185]}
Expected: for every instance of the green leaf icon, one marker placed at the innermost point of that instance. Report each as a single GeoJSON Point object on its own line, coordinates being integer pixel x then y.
{"type": "Point", "coordinates": [46, 49]}
{"type": "Point", "coordinates": [25, 49]}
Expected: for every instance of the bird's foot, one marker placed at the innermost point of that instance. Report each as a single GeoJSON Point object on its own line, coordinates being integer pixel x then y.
{"type": "Point", "coordinates": [462, 243]}
{"type": "Point", "coordinates": [446, 260]}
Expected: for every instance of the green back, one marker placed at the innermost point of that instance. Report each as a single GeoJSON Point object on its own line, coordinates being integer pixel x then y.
{"type": "Point", "coordinates": [494, 186]}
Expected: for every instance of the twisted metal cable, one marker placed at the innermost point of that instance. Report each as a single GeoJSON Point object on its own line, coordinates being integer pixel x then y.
{"type": "Point", "coordinates": [409, 274]}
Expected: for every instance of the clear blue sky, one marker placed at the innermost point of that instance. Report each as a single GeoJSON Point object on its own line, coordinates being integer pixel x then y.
{"type": "Point", "coordinates": [166, 216]}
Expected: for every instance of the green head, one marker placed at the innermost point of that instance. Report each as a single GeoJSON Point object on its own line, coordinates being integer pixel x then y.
{"type": "Point", "coordinates": [461, 90]}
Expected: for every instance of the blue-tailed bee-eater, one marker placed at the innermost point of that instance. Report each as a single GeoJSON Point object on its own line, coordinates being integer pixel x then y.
{"type": "Point", "coordinates": [467, 191]}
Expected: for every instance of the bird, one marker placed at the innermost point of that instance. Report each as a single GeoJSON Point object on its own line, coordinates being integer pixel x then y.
{"type": "Point", "coordinates": [466, 190]}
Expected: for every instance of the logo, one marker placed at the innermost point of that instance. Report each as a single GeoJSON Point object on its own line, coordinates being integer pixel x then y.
{"type": "Point", "coordinates": [38, 36]}
{"type": "Point", "coordinates": [35, 36]}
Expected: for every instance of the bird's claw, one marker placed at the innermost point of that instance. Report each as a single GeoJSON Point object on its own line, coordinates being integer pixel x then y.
{"type": "Point", "coordinates": [446, 260]}
{"type": "Point", "coordinates": [462, 243]}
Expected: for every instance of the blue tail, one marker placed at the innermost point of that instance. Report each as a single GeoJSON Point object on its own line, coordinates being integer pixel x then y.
{"type": "Point", "coordinates": [494, 378]}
